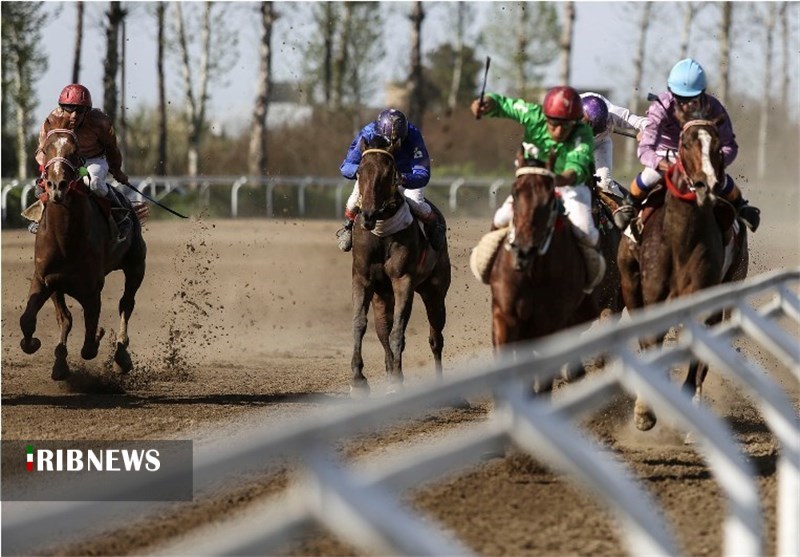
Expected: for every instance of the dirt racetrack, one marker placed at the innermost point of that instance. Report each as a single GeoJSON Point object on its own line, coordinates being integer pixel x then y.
{"type": "Point", "coordinates": [252, 317]}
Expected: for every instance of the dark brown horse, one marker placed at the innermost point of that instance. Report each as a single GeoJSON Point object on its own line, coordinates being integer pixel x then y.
{"type": "Point", "coordinates": [388, 268]}
{"type": "Point", "coordinates": [683, 241]}
{"type": "Point", "coordinates": [75, 249]}
{"type": "Point", "coordinates": [538, 275]}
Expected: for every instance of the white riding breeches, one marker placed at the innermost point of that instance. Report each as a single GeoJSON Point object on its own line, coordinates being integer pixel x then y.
{"type": "Point", "coordinates": [648, 177]}
{"type": "Point", "coordinates": [98, 171]}
{"type": "Point", "coordinates": [415, 198]}
{"type": "Point", "coordinates": [603, 163]}
{"type": "Point", "coordinates": [577, 204]}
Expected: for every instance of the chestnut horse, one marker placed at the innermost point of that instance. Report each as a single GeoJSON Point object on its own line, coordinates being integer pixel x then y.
{"type": "Point", "coordinates": [538, 275]}
{"type": "Point", "coordinates": [683, 241]}
{"type": "Point", "coordinates": [74, 250]}
{"type": "Point", "coordinates": [389, 265]}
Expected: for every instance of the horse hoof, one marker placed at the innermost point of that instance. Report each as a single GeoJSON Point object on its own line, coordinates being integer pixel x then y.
{"type": "Point", "coordinates": [122, 360]}
{"type": "Point", "coordinates": [89, 352]}
{"type": "Point", "coordinates": [394, 388]}
{"type": "Point", "coordinates": [645, 420]}
{"type": "Point", "coordinates": [359, 391]}
{"type": "Point", "coordinates": [60, 370]}
{"type": "Point", "coordinates": [29, 347]}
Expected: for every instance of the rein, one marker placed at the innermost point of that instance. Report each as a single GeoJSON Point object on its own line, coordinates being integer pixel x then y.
{"type": "Point", "coordinates": [678, 169]}
{"type": "Point", "coordinates": [393, 200]}
{"type": "Point", "coordinates": [553, 209]}
{"type": "Point", "coordinates": [73, 185]}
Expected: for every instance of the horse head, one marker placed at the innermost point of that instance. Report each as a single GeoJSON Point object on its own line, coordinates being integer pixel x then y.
{"type": "Point", "coordinates": [700, 162]}
{"type": "Point", "coordinates": [535, 208]}
{"type": "Point", "coordinates": [378, 179]}
{"type": "Point", "coordinates": [62, 164]}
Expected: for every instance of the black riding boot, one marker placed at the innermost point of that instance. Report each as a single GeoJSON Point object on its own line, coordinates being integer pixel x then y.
{"type": "Point", "coordinates": [436, 233]}
{"type": "Point", "coordinates": [749, 214]}
{"type": "Point", "coordinates": [121, 216]}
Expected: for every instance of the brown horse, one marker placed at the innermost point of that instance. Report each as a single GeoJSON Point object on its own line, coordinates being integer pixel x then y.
{"type": "Point", "coordinates": [390, 265]}
{"type": "Point", "coordinates": [683, 241]}
{"type": "Point", "coordinates": [74, 250]}
{"type": "Point", "coordinates": [538, 275]}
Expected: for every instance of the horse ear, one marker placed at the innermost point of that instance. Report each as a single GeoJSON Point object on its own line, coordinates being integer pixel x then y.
{"type": "Point", "coordinates": [551, 160]}
{"type": "Point", "coordinates": [519, 159]}
{"type": "Point", "coordinates": [362, 144]}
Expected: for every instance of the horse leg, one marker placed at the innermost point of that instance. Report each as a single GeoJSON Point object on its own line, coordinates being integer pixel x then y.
{"type": "Point", "coordinates": [91, 316]}
{"type": "Point", "coordinates": [403, 301]}
{"type": "Point", "coordinates": [133, 280]}
{"type": "Point", "coordinates": [361, 298]}
{"type": "Point", "coordinates": [37, 296]}
{"type": "Point", "coordinates": [64, 319]}
{"type": "Point", "coordinates": [383, 310]}
{"type": "Point", "coordinates": [437, 318]}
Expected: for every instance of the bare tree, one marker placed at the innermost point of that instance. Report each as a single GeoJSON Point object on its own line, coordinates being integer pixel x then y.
{"type": "Point", "coordinates": [22, 60]}
{"type": "Point", "coordinates": [689, 11]}
{"type": "Point", "coordinates": [212, 32]}
{"type": "Point", "coordinates": [521, 55]}
{"type": "Point", "coordinates": [638, 69]}
{"type": "Point", "coordinates": [785, 55]}
{"type": "Point", "coordinates": [526, 58]}
{"type": "Point", "coordinates": [114, 15]}
{"type": "Point", "coordinates": [725, 51]}
{"type": "Point", "coordinates": [341, 58]}
{"type": "Point", "coordinates": [565, 44]}
{"type": "Point", "coordinates": [328, 26]}
{"type": "Point", "coordinates": [769, 24]}
{"type": "Point", "coordinates": [257, 160]}
{"type": "Point", "coordinates": [161, 163]}
{"type": "Point", "coordinates": [462, 11]}
{"type": "Point", "coordinates": [416, 97]}
{"type": "Point", "coordinates": [76, 65]}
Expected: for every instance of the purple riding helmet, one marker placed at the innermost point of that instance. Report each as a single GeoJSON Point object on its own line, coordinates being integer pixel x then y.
{"type": "Point", "coordinates": [596, 112]}
{"type": "Point", "coordinates": [392, 124]}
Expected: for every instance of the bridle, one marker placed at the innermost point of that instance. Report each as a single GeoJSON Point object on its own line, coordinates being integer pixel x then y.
{"type": "Point", "coordinates": [678, 168]}
{"type": "Point", "coordinates": [552, 216]}
{"type": "Point", "coordinates": [73, 185]}
{"type": "Point", "coordinates": [392, 200]}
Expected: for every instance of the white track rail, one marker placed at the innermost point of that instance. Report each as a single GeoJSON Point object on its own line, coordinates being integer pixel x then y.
{"type": "Point", "coordinates": [359, 502]}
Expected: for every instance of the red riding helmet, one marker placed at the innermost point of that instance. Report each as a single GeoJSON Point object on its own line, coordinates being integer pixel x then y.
{"type": "Point", "coordinates": [564, 103]}
{"type": "Point", "coordinates": [76, 94]}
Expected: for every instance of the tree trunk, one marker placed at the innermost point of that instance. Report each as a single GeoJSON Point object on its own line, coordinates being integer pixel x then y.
{"type": "Point", "coordinates": [689, 10]}
{"type": "Point", "coordinates": [521, 54]}
{"type": "Point", "coordinates": [638, 69]}
{"type": "Point", "coordinates": [725, 51]}
{"type": "Point", "coordinates": [257, 160]}
{"type": "Point", "coordinates": [21, 121]}
{"type": "Point", "coordinates": [76, 66]}
{"type": "Point", "coordinates": [328, 32]}
{"type": "Point", "coordinates": [786, 55]}
{"type": "Point", "coordinates": [416, 96]}
{"type": "Point", "coordinates": [766, 101]}
{"type": "Point", "coordinates": [565, 44]}
{"type": "Point", "coordinates": [458, 63]}
{"type": "Point", "coordinates": [340, 63]}
{"type": "Point", "coordinates": [111, 66]}
{"type": "Point", "coordinates": [123, 122]}
{"type": "Point", "coordinates": [161, 164]}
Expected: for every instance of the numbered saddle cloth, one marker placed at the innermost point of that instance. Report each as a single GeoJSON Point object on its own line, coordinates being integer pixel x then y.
{"type": "Point", "coordinates": [482, 256]}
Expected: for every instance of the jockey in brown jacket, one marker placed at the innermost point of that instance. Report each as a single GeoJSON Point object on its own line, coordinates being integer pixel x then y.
{"type": "Point", "coordinates": [97, 144]}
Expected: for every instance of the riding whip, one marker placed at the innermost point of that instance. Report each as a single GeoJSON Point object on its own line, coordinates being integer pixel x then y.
{"type": "Point", "coordinates": [626, 132]}
{"type": "Point", "coordinates": [483, 87]}
{"type": "Point", "coordinates": [156, 202]}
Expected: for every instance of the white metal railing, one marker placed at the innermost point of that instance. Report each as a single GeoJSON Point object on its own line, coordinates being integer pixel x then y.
{"type": "Point", "coordinates": [358, 501]}
{"type": "Point", "coordinates": [159, 186]}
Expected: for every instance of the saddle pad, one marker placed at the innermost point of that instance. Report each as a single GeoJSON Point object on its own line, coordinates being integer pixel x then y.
{"type": "Point", "coordinates": [34, 211]}
{"type": "Point", "coordinates": [482, 256]}
{"type": "Point", "coordinates": [401, 220]}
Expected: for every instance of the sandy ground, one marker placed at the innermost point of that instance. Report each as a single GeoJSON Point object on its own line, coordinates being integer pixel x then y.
{"type": "Point", "coordinates": [252, 317]}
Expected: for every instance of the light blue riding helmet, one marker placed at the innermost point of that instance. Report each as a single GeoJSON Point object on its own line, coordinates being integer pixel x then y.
{"type": "Point", "coordinates": [687, 78]}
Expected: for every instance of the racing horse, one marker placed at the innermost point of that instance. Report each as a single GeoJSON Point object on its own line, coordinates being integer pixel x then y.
{"type": "Point", "coordinates": [392, 259]}
{"type": "Point", "coordinates": [75, 249]}
{"type": "Point", "coordinates": [684, 238]}
{"type": "Point", "coordinates": [538, 275]}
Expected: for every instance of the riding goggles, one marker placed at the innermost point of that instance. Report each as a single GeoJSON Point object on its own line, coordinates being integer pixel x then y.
{"type": "Point", "coordinates": [686, 100]}
{"type": "Point", "coordinates": [561, 122]}
{"type": "Point", "coordinates": [70, 108]}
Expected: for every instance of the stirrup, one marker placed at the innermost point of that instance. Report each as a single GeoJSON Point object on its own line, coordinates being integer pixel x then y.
{"type": "Point", "coordinates": [33, 227]}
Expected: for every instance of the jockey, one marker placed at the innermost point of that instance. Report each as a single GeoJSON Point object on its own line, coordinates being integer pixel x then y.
{"type": "Point", "coordinates": [557, 125]}
{"type": "Point", "coordinates": [604, 117]}
{"type": "Point", "coordinates": [686, 86]}
{"type": "Point", "coordinates": [97, 144]}
{"type": "Point", "coordinates": [414, 165]}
